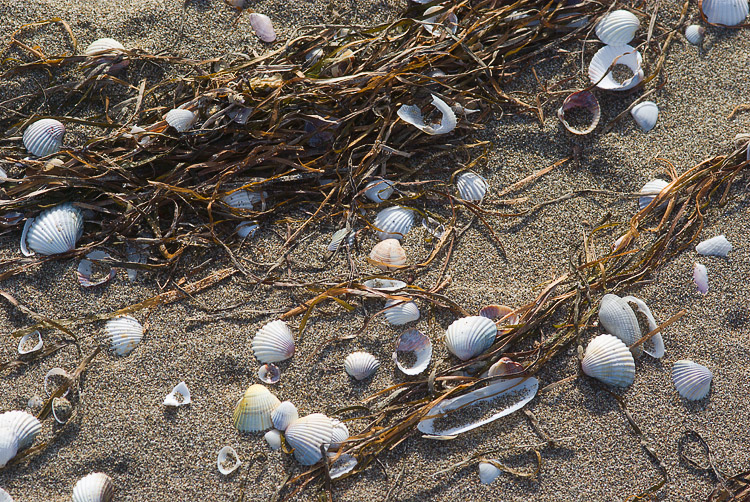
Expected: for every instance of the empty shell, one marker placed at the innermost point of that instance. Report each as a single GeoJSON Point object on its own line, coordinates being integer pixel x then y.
{"type": "Point", "coordinates": [54, 231]}
{"type": "Point", "coordinates": [504, 367]}
{"type": "Point", "coordinates": [700, 277]}
{"type": "Point", "coordinates": [244, 199]}
{"type": "Point", "coordinates": [413, 353]}
{"type": "Point", "coordinates": [412, 114]}
{"type": "Point", "coordinates": [273, 342]}
{"type": "Point", "coordinates": [103, 46]}
{"type": "Point", "coordinates": [651, 190]}
{"type": "Point", "coordinates": [608, 360]}
{"type": "Point", "coordinates": [388, 255]}
{"type": "Point", "coordinates": [725, 12]}
{"type": "Point", "coordinates": [496, 312]}
{"type": "Point", "coordinates": [247, 229]}
{"type": "Point", "coordinates": [488, 472]}
{"type": "Point", "coordinates": [44, 137]}
{"type": "Point", "coordinates": [361, 365]}
{"type": "Point", "coordinates": [401, 312]}
{"type": "Point", "coordinates": [269, 373]}
{"type": "Point", "coordinates": [645, 115]}
{"type": "Point", "coordinates": [617, 318]}
{"type": "Point", "coordinates": [471, 186]}
{"type": "Point", "coordinates": [179, 396]}
{"type": "Point", "coordinates": [181, 119]}
{"type": "Point", "coordinates": [618, 27]}
{"type": "Point", "coordinates": [439, 22]}
{"type": "Point", "coordinates": [581, 100]}
{"type": "Point", "coordinates": [393, 222]}
{"type": "Point", "coordinates": [715, 246]}
{"type": "Point", "coordinates": [283, 415]}
{"type": "Point", "coordinates": [27, 345]}
{"type": "Point", "coordinates": [18, 430]}
{"type": "Point", "coordinates": [694, 34]}
{"type": "Point", "coordinates": [343, 236]}
{"type": "Point", "coordinates": [62, 410]}
{"type": "Point", "coordinates": [90, 273]}
{"type": "Point", "coordinates": [617, 55]}
{"type": "Point", "coordinates": [385, 284]}
{"type": "Point", "coordinates": [339, 435]}
{"type": "Point", "coordinates": [228, 461]}
{"type": "Point", "coordinates": [379, 190]}
{"type": "Point", "coordinates": [273, 438]}
{"type": "Point", "coordinates": [96, 487]}
{"type": "Point", "coordinates": [56, 375]}
{"type": "Point", "coordinates": [654, 346]}
{"type": "Point", "coordinates": [470, 336]}
{"type": "Point", "coordinates": [692, 380]}
{"type": "Point", "coordinates": [342, 465]}
{"type": "Point", "coordinates": [124, 334]}
{"type": "Point", "coordinates": [253, 410]}
{"type": "Point", "coordinates": [263, 27]}
{"type": "Point", "coordinates": [307, 434]}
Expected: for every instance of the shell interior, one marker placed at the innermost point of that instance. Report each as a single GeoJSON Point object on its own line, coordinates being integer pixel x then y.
{"type": "Point", "coordinates": [269, 373]}
{"type": "Point", "coordinates": [412, 114]}
{"type": "Point", "coordinates": [179, 396]}
{"type": "Point", "coordinates": [263, 27]}
{"type": "Point", "coordinates": [384, 284]}
{"type": "Point", "coordinates": [488, 472]}
{"type": "Point", "coordinates": [436, 24]}
{"type": "Point", "coordinates": [413, 353]}
{"type": "Point", "coordinates": [654, 346]}
{"type": "Point", "coordinates": [228, 461]}
{"type": "Point", "coordinates": [247, 229]}
{"type": "Point", "coordinates": [344, 464]}
{"type": "Point", "coordinates": [580, 112]}
{"type": "Point", "coordinates": [56, 377]}
{"type": "Point", "coordinates": [91, 274]}
{"type": "Point", "coordinates": [27, 345]}
{"type": "Point", "coordinates": [599, 68]}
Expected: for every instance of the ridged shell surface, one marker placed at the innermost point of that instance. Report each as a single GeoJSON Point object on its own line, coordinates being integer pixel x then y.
{"type": "Point", "coordinates": [283, 415]}
{"type": "Point", "coordinates": [651, 190]}
{"type": "Point", "coordinates": [343, 236]}
{"type": "Point", "coordinates": [654, 346]}
{"type": "Point", "coordinates": [694, 34]}
{"type": "Point", "coordinates": [388, 255]}
{"type": "Point", "coordinates": [96, 487]}
{"type": "Point", "coordinates": [54, 231]}
{"type": "Point", "coordinates": [307, 435]}
{"type": "Point", "coordinates": [488, 472]}
{"type": "Point", "coordinates": [379, 190]}
{"type": "Point", "coordinates": [715, 246]}
{"type": "Point", "coordinates": [361, 365]}
{"type": "Point", "coordinates": [243, 199]}
{"type": "Point", "coordinates": [180, 119]}
{"type": "Point", "coordinates": [470, 336]}
{"type": "Point", "coordinates": [17, 431]}
{"type": "Point", "coordinates": [471, 186]}
{"type": "Point", "coordinates": [504, 367]}
{"type": "Point", "coordinates": [419, 346]}
{"type": "Point", "coordinates": [617, 27]}
{"type": "Point", "coordinates": [603, 59]}
{"type": "Point", "coordinates": [273, 342]}
{"type": "Point", "coordinates": [340, 433]}
{"type": "Point", "coordinates": [618, 319]}
{"type": "Point", "coordinates": [692, 380]}
{"type": "Point", "coordinates": [393, 222]}
{"type": "Point", "coordinates": [103, 46]}
{"type": "Point", "coordinates": [253, 410]}
{"type": "Point", "coordinates": [124, 334]}
{"type": "Point", "coordinates": [44, 137]}
{"type": "Point", "coordinates": [645, 115]}
{"type": "Point", "coordinates": [403, 313]}
{"type": "Point", "coordinates": [608, 360]}
{"type": "Point", "coordinates": [725, 12]}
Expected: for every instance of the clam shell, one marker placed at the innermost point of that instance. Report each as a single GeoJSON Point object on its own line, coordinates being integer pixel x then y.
{"type": "Point", "coordinates": [244, 199]}
{"type": "Point", "coordinates": [181, 119]}
{"type": "Point", "coordinates": [439, 22]}
{"type": "Point", "coordinates": [307, 434]}
{"type": "Point", "coordinates": [645, 115]}
{"type": "Point", "coordinates": [470, 336]}
{"type": "Point", "coordinates": [496, 312]}
{"type": "Point", "coordinates": [62, 410]}
{"type": "Point", "coordinates": [724, 12]}
{"type": "Point", "coordinates": [393, 223]}
{"type": "Point", "coordinates": [471, 186]}
{"type": "Point", "coordinates": [18, 430]}
{"type": "Point", "coordinates": [273, 342]}
{"type": "Point", "coordinates": [605, 57]}
{"type": "Point", "coordinates": [253, 410]}
{"type": "Point", "coordinates": [342, 465]}
{"type": "Point", "coordinates": [54, 231]}
{"type": "Point", "coordinates": [388, 255]}
{"type": "Point", "coordinates": [412, 114]}
{"type": "Point", "coordinates": [340, 433]}
{"type": "Point", "coordinates": [651, 190]}
{"type": "Point", "coordinates": [384, 284]}
{"type": "Point", "coordinates": [180, 389]}
{"type": "Point", "coordinates": [247, 229]}
{"type": "Point", "coordinates": [224, 461]}
{"type": "Point", "coordinates": [44, 137]}
{"type": "Point", "coordinates": [655, 345]}
{"type": "Point", "coordinates": [692, 380]}
{"type": "Point", "coordinates": [419, 346]}
{"type": "Point", "coordinates": [273, 438]}
{"type": "Point", "coordinates": [379, 190]}
{"type": "Point", "coordinates": [96, 487]}
{"type": "Point", "coordinates": [400, 312]}
{"type": "Point", "coordinates": [504, 367]}
{"type": "Point", "coordinates": [715, 246]}
{"type": "Point", "coordinates": [488, 472]}
{"type": "Point", "coordinates": [103, 46]}
{"type": "Point", "coordinates": [618, 27]}
{"type": "Point", "coordinates": [617, 318]}
{"type": "Point", "coordinates": [608, 360]}
{"type": "Point", "coordinates": [694, 34]}
{"type": "Point", "coordinates": [124, 334]}
{"type": "Point", "coordinates": [283, 415]}
{"type": "Point", "coordinates": [361, 365]}
{"type": "Point", "coordinates": [86, 273]}
{"type": "Point", "coordinates": [700, 277]}
{"type": "Point", "coordinates": [263, 27]}
{"type": "Point", "coordinates": [269, 373]}
{"type": "Point", "coordinates": [5, 496]}
{"type": "Point", "coordinates": [580, 99]}
{"type": "Point", "coordinates": [56, 372]}
{"type": "Point", "coordinates": [345, 236]}
{"type": "Point", "coordinates": [25, 344]}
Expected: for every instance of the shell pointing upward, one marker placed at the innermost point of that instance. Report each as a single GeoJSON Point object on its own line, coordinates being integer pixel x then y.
{"type": "Point", "coordinates": [645, 115]}
{"type": "Point", "coordinates": [393, 222]}
{"type": "Point", "coordinates": [44, 137]}
{"type": "Point", "coordinates": [388, 255]}
{"type": "Point", "coordinates": [283, 415]}
{"type": "Point", "coordinates": [692, 380]}
{"type": "Point", "coordinates": [617, 27]}
{"type": "Point", "coordinates": [273, 342]}
{"type": "Point", "coordinates": [471, 186]}
{"type": "Point", "coordinates": [103, 46]}
{"type": "Point", "coordinates": [253, 410]}
{"type": "Point", "coordinates": [608, 360]}
{"type": "Point", "coordinates": [180, 119]}
{"type": "Point", "coordinates": [96, 487]}
{"type": "Point", "coordinates": [55, 231]}
{"type": "Point", "coordinates": [694, 34]}
{"type": "Point", "coordinates": [18, 430]}
{"type": "Point", "coordinates": [124, 334]}
{"type": "Point", "coordinates": [307, 434]}
{"type": "Point", "coordinates": [263, 27]}
{"type": "Point", "coordinates": [401, 312]}
{"type": "Point", "coordinates": [361, 365]}
{"type": "Point", "coordinates": [617, 318]}
{"type": "Point", "coordinates": [470, 336]}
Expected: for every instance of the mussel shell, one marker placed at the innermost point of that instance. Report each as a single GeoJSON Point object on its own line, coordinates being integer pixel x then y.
{"type": "Point", "coordinates": [471, 186]}
{"type": "Point", "coordinates": [715, 246]}
{"type": "Point", "coordinates": [645, 115]}
{"type": "Point", "coordinates": [692, 380]}
{"type": "Point", "coordinates": [361, 365]}
{"type": "Point", "coordinates": [393, 222]}
{"type": "Point", "coordinates": [273, 342]}
{"type": "Point", "coordinates": [124, 334]}
{"type": "Point", "coordinates": [283, 415]}
{"type": "Point", "coordinates": [618, 27]}
{"type": "Point", "coordinates": [470, 336]}
{"type": "Point", "coordinates": [608, 360]}
{"type": "Point", "coordinates": [96, 487]}
{"type": "Point", "coordinates": [54, 231]}
{"type": "Point", "coordinates": [401, 312]}
{"type": "Point", "coordinates": [603, 59]}
{"type": "Point", "coordinates": [44, 137]}
{"type": "Point", "coordinates": [253, 410]}
{"type": "Point", "coordinates": [181, 119]}
{"type": "Point", "coordinates": [307, 434]}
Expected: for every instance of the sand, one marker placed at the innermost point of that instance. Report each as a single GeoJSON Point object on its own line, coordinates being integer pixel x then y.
{"type": "Point", "coordinates": [157, 454]}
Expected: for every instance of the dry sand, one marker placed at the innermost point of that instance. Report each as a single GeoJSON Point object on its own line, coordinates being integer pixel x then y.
{"type": "Point", "coordinates": [157, 454]}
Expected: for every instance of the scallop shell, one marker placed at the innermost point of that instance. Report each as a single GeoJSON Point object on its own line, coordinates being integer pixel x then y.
{"type": "Point", "coordinates": [645, 115]}
{"type": "Point", "coordinates": [379, 190]}
{"type": "Point", "coordinates": [393, 223]}
{"type": "Point", "coordinates": [307, 434]}
{"type": "Point", "coordinates": [340, 433]}
{"type": "Point", "coordinates": [715, 246]}
{"type": "Point", "coordinates": [253, 411]}
{"type": "Point", "coordinates": [273, 342]}
{"type": "Point", "coordinates": [247, 229]}
{"type": "Point", "coordinates": [23, 344]}
{"type": "Point", "coordinates": [470, 336]}
{"type": "Point", "coordinates": [180, 389]}
{"type": "Point", "coordinates": [384, 284]}
{"type": "Point", "coordinates": [5, 496]}
{"type": "Point", "coordinates": [651, 190]}
{"type": "Point", "coordinates": [692, 380]}
{"type": "Point", "coordinates": [103, 46]}
{"type": "Point", "coordinates": [605, 57]}
{"type": "Point", "coordinates": [618, 27]}
{"type": "Point", "coordinates": [488, 472]}
{"type": "Point", "coordinates": [412, 114]}
{"type": "Point", "coordinates": [617, 318]}
{"type": "Point", "coordinates": [361, 365]}
{"type": "Point", "coordinates": [388, 255]}
{"type": "Point", "coordinates": [283, 415]}
{"type": "Point", "coordinates": [273, 438]}
{"type": "Point", "coordinates": [55, 231]}
{"type": "Point", "coordinates": [724, 12]}
{"type": "Point", "coordinates": [88, 277]}
{"type": "Point", "coordinates": [700, 277]}
{"type": "Point", "coordinates": [269, 373]}
{"type": "Point", "coordinates": [419, 345]}
{"type": "Point", "coordinates": [471, 186]}
{"type": "Point", "coordinates": [655, 345]}
{"type": "Point", "coordinates": [263, 27]}
{"type": "Point", "coordinates": [180, 119]}
{"type": "Point", "coordinates": [585, 100]}
{"type": "Point", "coordinates": [439, 22]}
{"type": "Point", "coordinates": [124, 334]}
{"type": "Point", "coordinates": [608, 360]}
{"type": "Point", "coordinates": [401, 312]}
{"type": "Point", "coordinates": [96, 487]}
{"type": "Point", "coordinates": [44, 137]}
{"type": "Point", "coordinates": [225, 455]}
{"type": "Point", "coordinates": [340, 236]}
{"type": "Point", "coordinates": [694, 34]}
{"type": "Point", "coordinates": [18, 430]}
{"type": "Point", "coordinates": [244, 199]}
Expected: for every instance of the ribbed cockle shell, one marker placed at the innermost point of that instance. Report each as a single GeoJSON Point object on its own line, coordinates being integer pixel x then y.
{"type": "Point", "coordinates": [96, 487]}
{"type": "Point", "coordinates": [273, 342]}
{"type": "Point", "coordinates": [44, 137]}
{"type": "Point", "coordinates": [608, 360]}
{"type": "Point", "coordinates": [253, 410]}
{"type": "Point", "coordinates": [54, 231]}
{"type": "Point", "coordinates": [692, 380]}
{"type": "Point", "coordinates": [307, 435]}
{"type": "Point", "coordinates": [470, 336]}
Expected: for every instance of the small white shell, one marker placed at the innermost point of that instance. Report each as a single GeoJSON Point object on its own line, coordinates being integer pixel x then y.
{"type": "Point", "coordinates": [645, 115]}
{"type": "Point", "coordinates": [725, 12]}
{"type": "Point", "coordinates": [412, 114]}
{"type": "Point", "coordinates": [18, 430]}
{"type": "Point", "coordinates": [88, 277]}
{"type": "Point", "coordinates": [44, 137]}
{"type": "Point", "coordinates": [103, 46]}
{"type": "Point", "coordinates": [361, 365]}
{"type": "Point", "coordinates": [35, 403]}
{"type": "Point", "coordinates": [400, 312]}
{"type": "Point", "coordinates": [694, 34]}
{"type": "Point", "coordinates": [419, 346]}
{"type": "Point", "coordinates": [269, 373]}
{"type": "Point", "coordinates": [379, 190]}
{"type": "Point", "coordinates": [247, 229]}
{"type": "Point", "coordinates": [700, 277]}
{"type": "Point", "coordinates": [226, 455]}
{"type": "Point", "coordinates": [54, 231]}
{"type": "Point", "coordinates": [651, 190]}
{"type": "Point", "coordinates": [253, 410]}
{"type": "Point", "coordinates": [603, 59]}
{"type": "Point", "coordinates": [692, 380]}
{"type": "Point", "coordinates": [124, 334]}
{"type": "Point", "coordinates": [138, 134]}
{"type": "Point", "coordinates": [393, 222]}
{"type": "Point", "coordinates": [96, 487]}
{"type": "Point", "coordinates": [5, 496]}
{"type": "Point", "coordinates": [283, 415]}
{"type": "Point", "coordinates": [56, 372]}
{"type": "Point", "coordinates": [342, 465]}
{"type": "Point", "coordinates": [244, 199]}
{"type": "Point", "coordinates": [263, 27]}
{"type": "Point", "coordinates": [136, 253]}
{"type": "Point", "coordinates": [340, 433]}
{"type": "Point", "coordinates": [715, 246]}
{"type": "Point", "coordinates": [307, 435]}
{"type": "Point", "coordinates": [608, 360]}
{"type": "Point", "coordinates": [273, 342]}
{"type": "Point", "coordinates": [488, 472]}
{"type": "Point", "coordinates": [618, 27]}
{"type": "Point", "coordinates": [384, 284]}
{"type": "Point", "coordinates": [181, 119]}
{"type": "Point", "coordinates": [273, 438]}
{"type": "Point", "coordinates": [388, 255]}
{"type": "Point", "coordinates": [471, 186]}
{"type": "Point", "coordinates": [470, 336]}
{"type": "Point", "coordinates": [654, 346]}
{"type": "Point", "coordinates": [433, 24]}
{"type": "Point", "coordinates": [26, 347]}
{"type": "Point", "coordinates": [172, 398]}
{"type": "Point", "coordinates": [617, 318]}
{"type": "Point", "coordinates": [582, 100]}
{"type": "Point", "coordinates": [341, 236]}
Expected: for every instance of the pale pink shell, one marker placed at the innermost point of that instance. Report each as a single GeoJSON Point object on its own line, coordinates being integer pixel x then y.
{"type": "Point", "coordinates": [263, 27]}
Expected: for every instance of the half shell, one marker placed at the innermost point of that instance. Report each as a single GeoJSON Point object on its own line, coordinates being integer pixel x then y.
{"type": "Point", "coordinates": [617, 318]}
{"type": "Point", "coordinates": [342, 465]}
{"type": "Point", "coordinates": [655, 345]}
{"type": "Point", "coordinates": [181, 119]}
{"type": "Point", "coordinates": [361, 365]}
{"type": "Point", "coordinates": [26, 345]}
{"type": "Point", "coordinates": [273, 438]}
{"type": "Point", "coordinates": [103, 46]}
{"type": "Point", "coordinates": [263, 27]}
{"type": "Point", "coordinates": [415, 349]}
{"type": "Point", "coordinates": [96, 487]}
{"type": "Point", "coordinates": [439, 22]}
{"type": "Point", "coordinates": [618, 27]}
{"type": "Point", "coordinates": [724, 12]}
{"type": "Point", "coordinates": [247, 229]}
{"type": "Point", "coordinates": [56, 375]}
{"type": "Point", "coordinates": [700, 277]}
{"type": "Point", "coordinates": [18, 430]}
{"type": "Point", "coordinates": [124, 334]}
{"type": "Point", "coordinates": [651, 190]}
{"type": "Point", "coordinates": [584, 100]}
{"type": "Point", "coordinates": [617, 55]}
{"type": "Point", "coordinates": [307, 435]}
{"type": "Point", "coordinates": [90, 273]}
{"type": "Point", "coordinates": [273, 342]}
{"type": "Point", "coordinates": [283, 415]}
{"type": "Point", "coordinates": [645, 115]}
{"type": "Point", "coordinates": [694, 34]}
{"type": "Point", "coordinates": [228, 461]}
{"type": "Point", "coordinates": [471, 186]}
{"type": "Point", "coordinates": [470, 336]}
{"type": "Point", "coordinates": [345, 236]}
{"type": "Point", "coordinates": [384, 284]}
{"type": "Point", "coordinates": [488, 472]}
{"type": "Point", "coordinates": [379, 190]}
{"type": "Point", "coordinates": [401, 312]}
{"type": "Point", "coordinates": [388, 255]}
{"type": "Point", "coordinates": [269, 373]}
{"type": "Point", "coordinates": [608, 360]}
{"type": "Point", "coordinates": [715, 246]}
{"type": "Point", "coordinates": [412, 114]}
{"type": "Point", "coordinates": [393, 223]}
{"type": "Point", "coordinates": [62, 410]}
{"type": "Point", "coordinates": [244, 199]}
{"type": "Point", "coordinates": [692, 380]}
{"type": "Point", "coordinates": [253, 410]}
{"type": "Point", "coordinates": [179, 396]}
{"type": "Point", "coordinates": [44, 137]}
{"type": "Point", "coordinates": [55, 231]}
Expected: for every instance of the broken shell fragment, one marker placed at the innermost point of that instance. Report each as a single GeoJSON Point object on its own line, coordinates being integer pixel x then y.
{"type": "Point", "coordinates": [181, 119]}
{"type": "Point", "coordinates": [379, 190]}
{"type": "Point", "coordinates": [384, 284]}
{"type": "Point", "coordinates": [244, 199]}
{"type": "Point", "coordinates": [253, 410]}
{"type": "Point", "coordinates": [654, 346]}
{"type": "Point", "coordinates": [103, 46]}
{"type": "Point", "coordinates": [273, 342]}
{"type": "Point", "coordinates": [413, 353]}
{"type": "Point", "coordinates": [651, 190]}
{"type": "Point", "coordinates": [342, 465]}
{"type": "Point", "coordinates": [86, 270]}
{"type": "Point", "coordinates": [27, 345]}
{"type": "Point", "coordinates": [716, 246]}
{"type": "Point", "coordinates": [269, 373]}
{"type": "Point", "coordinates": [44, 137]}
{"type": "Point", "coordinates": [96, 487]}
{"type": "Point", "coordinates": [393, 223]}
{"type": "Point", "coordinates": [307, 435]}
{"type": "Point", "coordinates": [617, 55]}
{"type": "Point", "coordinates": [247, 229]}
{"type": "Point", "coordinates": [136, 253]}
{"type": "Point", "coordinates": [496, 312]}
{"type": "Point", "coordinates": [388, 255]}
{"type": "Point", "coordinates": [692, 380]}
{"type": "Point", "coordinates": [618, 27]}
{"type": "Point", "coordinates": [343, 236]}
{"type": "Point", "coordinates": [179, 396]}
{"type": "Point", "coordinates": [361, 365]}
{"type": "Point", "coordinates": [283, 415]}
{"type": "Point", "coordinates": [618, 318]}
{"type": "Point", "coordinates": [124, 334]}
{"type": "Point", "coordinates": [724, 12]}
{"type": "Point", "coordinates": [435, 25]}
{"type": "Point", "coordinates": [645, 115]}
{"type": "Point", "coordinates": [608, 360]}
{"type": "Point", "coordinates": [273, 438]}
{"type": "Point", "coordinates": [401, 312]}
{"type": "Point", "coordinates": [742, 140]}
{"type": "Point", "coordinates": [228, 461]}
{"type": "Point", "coordinates": [470, 336]}
{"type": "Point", "coordinates": [412, 114]}
{"type": "Point", "coordinates": [55, 231]}
{"type": "Point", "coordinates": [263, 27]}
{"type": "Point", "coordinates": [18, 430]}
{"type": "Point", "coordinates": [471, 186]}
{"type": "Point", "coordinates": [62, 410]}
{"type": "Point", "coordinates": [700, 277]}
{"type": "Point", "coordinates": [579, 103]}
{"type": "Point", "coordinates": [694, 34]}
{"type": "Point", "coordinates": [488, 472]}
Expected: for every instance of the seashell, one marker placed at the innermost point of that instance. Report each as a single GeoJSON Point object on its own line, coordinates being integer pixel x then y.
{"type": "Point", "coordinates": [471, 186]}
{"type": "Point", "coordinates": [96, 487]}
{"type": "Point", "coordinates": [103, 46]}
{"type": "Point", "coordinates": [581, 100]}
{"type": "Point", "coordinates": [342, 465]}
{"type": "Point", "coordinates": [504, 367]}
{"type": "Point", "coordinates": [655, 345]}
{"type": "Point", "coordinates": [247, 229]}
{"type": "Point", "coordinates": [488, 472]}
{"type": "Point", "coordinates": [179, 396]}
{"type": "Point", "coordinates": [618, 55]}
{"type": "Point", "coordinates": [86, 271]}
{"type": "Point", "coordinates": [417, 352]}
{"type": "Point", "coordinates": [618, 27]}
{"type": "Point", "coordinates": [269, 373]}
{"type": "Point", "coordinates": [253, 410]}
{"type": "Point", "coordinates": [645, 115]}
{"type": "Point", "coordinates": [26, 344]}
{"type": "Point", "coordinates": [651, 190]}
{"type": "Point", "coordinates": [18, 430]}
{"type": "Point", "coordinates": [228, 461]}
{"type": "Point", "coordinates": [384, 284]}
{"type": "Point", "coordinates": [608, 360]}
{"type": "Point", "coordinates": [496, 312]}
{"type": "Point", "coordinates": [5, 496]}
{"type": "Point", "coordinates": [470, 336]}
{"type": "Point", "coordinates": [35, 404]}
{"type": "Point", "coordinates": [412, 114]}
{"type": "Point", "coordinates": [715, 246]}
{"type": "Point", "coordinates": [340, 236]}
{"type": "Point", "coordinates": [136, 253]}
{"type": "Point", "coordinates": [62, 410]}
{"type": "Point", "coordinates": [340, 433]}
{"type": "Point", "coordinates": [44, 137]}
{"type": "Point", "coordinates": [124, 334]}
{"type": "Point", "coordinates": [393, 223]}
{"type": "Point", "coordinates": [55, 231]}
{"type": "Point", "coordinates": [700, 277]}
{"type": "Point", "coordinates": [273, 342]}
{"type": "Point", "coordinates": [388, 255]}
{"type": "Point", "coordinates": [181, 119]}
{"type": "Point", "coordinates": [307, 434]}
{"type": "Point", "coordinates": [692, 380]}
{"type": "Point", "coordinates": [401, 312]}
{"type": "Point", "coordinates": [57, 374]}
{"type": "Point", "coordinates": [379, 190]}
{"type": "Point", "coordinates": [139, 134]}
{"type": "Point", "coordinates": [314, 56]}
{"type": "Point", "coordinates": [694, 34]}
{"type": "Point", "coordinates": [724, 12]}
{"type": "Point", "coordinates": [283, 415]}
{"type": "Point", "coordinates": [3, 175]}
{"type": "Point", "coordinates": [237, 4]}
{"type": "Point", "coordinates": [439, 22]}
{"type": "Point", "coordinates": [433, 227]}
{"type": "Point", "coordinates": [273, 438]}
{"type": "Point", "coordinates": [263, 27]}
{"type": "Point", "coordinates": [244, 199]}
{"type": "Point", "coordinates": [617, 318]}
{"type": "Point", "coordinates": [742, 140]}
{"type": "Point", "coordinates": [361, 365]}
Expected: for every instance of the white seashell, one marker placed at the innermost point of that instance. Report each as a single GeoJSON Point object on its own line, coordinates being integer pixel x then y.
{"type": "Point", "coordinates": [54, 231]}
{"type": "Point", "coordinates": [103, 46]}
{"type": "Point", "coordinates": [584, 100]}
{"type": "Point", "coordinates": [401, 312]}
{"type": "Point", "coordinates": [435, 26]}
{"type": "Point", "coordinates": [412, 114]}
{"type": "Point", "coordinates": [645, 115]}
{"type": "Point", "coordinates": [89, 277]}
{"type": "Point", "coordinates": [655, 345]}
{"type": "Point", "coordinates": [342, 465]}
{"type": "Point", "coordinates": [58, 374]}
{"type": "Point", "coordinates": [605, 57]}
{"type": "Point", "coordinates": [700, 277]}
{"type": "Point", "coordinates": [344, 235]}
{"type": "Point", "coordinates": [273, 438]}
{"type": "Point", "coordinates": [433, 227]}
{"type": "Point", "coordinates": [742, 140]}
{"type": "Point", "coordinates": [228, 461]}
{"type": "Point", "coordinates": [488, 472]}
{"type": "Point", "coordinates": [181, 119]}
{"type": "Point", "coordinates": [263, 27]}
{"type": "Point", "coordinates": [504, 367]}
{"type": "Point", "coordinates": [44, 137]}
{"type": "Point", "coordinates": [651, 190]}
{"type": "Point", "coordinates": [253, 410]}
{"type": "Point", "coordinates": [361, 365]}
{"type": "Point", "coordinates": [617, 318]}
{"type": "Point", "coordinates": [608, 360]}
{"type": "Point", "coordinates": [283, 415]}
{"type": "Point", "coordinates": [470, 336]}
{"type": "Point", "coordinates": [725, 12]}
{"type": "Point", "coordinates": [388, 255]}
{"type": "Point", "coordinates": [385, 284]}
{"type": "Point", "coordinates": [3, 175]}
{"type": "Point", "coordinates": [314, 55]}
{"type": "Point", "coordinates": [5, 496]}
{"type": "Point", "coordinates": [124, 334]}
{"type": "Point", "coordinates": [694, 34]}
{"type": "Point", "coordinates": [393, 223]}
{"type": "Point", "coordinates": [419, 348]}
{"type": "Point", "coordinates": [244, 199]}
{"type": "Point", "coordinates": [138, 134]}
{"type": "Point", "coordinates": [307, 434]}
{"type": "Point", "coordinates": [379, 190]}
{"type": "Point", "coordinates": [692, 380]}
{"type": "Point", "coordinates": [273, 342]}
{"type": "Point", "coordinates": [340, 433]}
{"type": "Point", "coordinates": [35, 404]}
{"type": "Point", "coordinates": [618, 27]}
{"type": "Point", "coordinates": [269, 373]}
{"type": "Point", "coordinates": [96, 487]}
{"type": "Point", "coordinates": [247, 229]}
{"type": "Point", "coordinates": [179, 396]}
{"type": "Point", "coordinates": [471, 186]}
{"type": "Point", "coordinates": [715, 246]}
{"type": "Point", "coordinates": [26, 344]}
{"type": "Point", "coordinates": [18, 430]}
